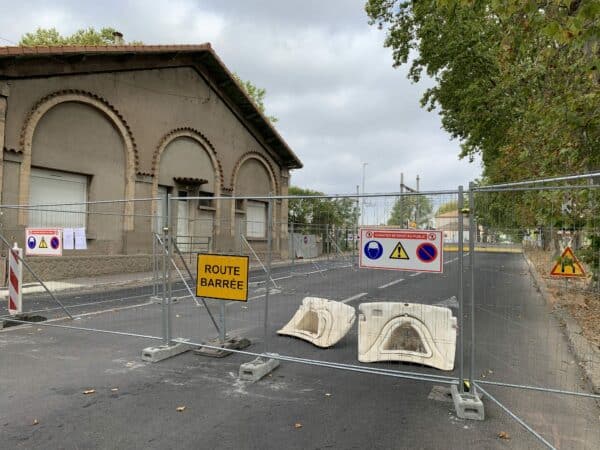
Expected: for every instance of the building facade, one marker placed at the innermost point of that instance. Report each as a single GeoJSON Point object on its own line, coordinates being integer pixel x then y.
{"type": "Point", "coordinates": [98, 124]}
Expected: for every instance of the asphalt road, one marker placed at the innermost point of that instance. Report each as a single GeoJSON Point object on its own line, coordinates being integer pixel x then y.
{"type": "Point", "coordinates": [45, 371]}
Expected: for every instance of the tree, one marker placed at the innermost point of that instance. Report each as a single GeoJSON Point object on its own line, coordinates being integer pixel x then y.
{"type": "Point", "coordinates": [452, 205]}
{"type": "Point", "coordinates": [334, 212]}
{"type": "Point", "coordinates": [256, 94]}
{"type": "Point", "coordinates": [515, 81]}
{"type": "Point", "coordinates": [409, 209]}
{"type": "Point", "coordinates": [89, 36]}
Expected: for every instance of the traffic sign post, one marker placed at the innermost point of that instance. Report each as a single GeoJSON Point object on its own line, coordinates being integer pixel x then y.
{"type": "Point", "coordinates": [400, 249]}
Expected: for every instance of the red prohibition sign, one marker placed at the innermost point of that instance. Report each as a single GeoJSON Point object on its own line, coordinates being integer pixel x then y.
{"type": "Point", "coordinates": [427, 252]}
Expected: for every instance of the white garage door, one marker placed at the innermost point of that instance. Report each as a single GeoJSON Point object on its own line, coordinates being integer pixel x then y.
{"type": "Point", "coordinates": [256, 219]}
{"type": "Point", "coordinates": [48, 187]}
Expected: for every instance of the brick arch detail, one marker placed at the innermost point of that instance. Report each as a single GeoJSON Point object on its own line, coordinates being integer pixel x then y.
{"type": "Point", "coordinates": [204, 143]}
{"type": "Point", "coordinates": [73, 95]}
{"type": "Point", "coordinates": [264, 161]}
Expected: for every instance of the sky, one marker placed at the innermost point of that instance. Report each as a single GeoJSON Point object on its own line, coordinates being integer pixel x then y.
{"type": "Point", "coordinates": [329, 80]}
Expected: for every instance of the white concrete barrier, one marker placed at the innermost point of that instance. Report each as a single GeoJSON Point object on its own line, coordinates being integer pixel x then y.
{"type": "Point", "coordinates": [409, 332]}
{"type": "Point", "coordinates": [320, 321]}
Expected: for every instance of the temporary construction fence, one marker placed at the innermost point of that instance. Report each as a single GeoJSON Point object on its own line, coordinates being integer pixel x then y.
{"type": "Point", "coordinates": [481, 327]}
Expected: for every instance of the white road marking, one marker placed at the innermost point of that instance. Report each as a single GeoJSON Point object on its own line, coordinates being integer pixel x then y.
{"type": "Point", "coordinates": [415, 274]}
{"type": "Point", "coordinates": [391, 283]}
{"type": "Point", "coordinates": [354, 297]}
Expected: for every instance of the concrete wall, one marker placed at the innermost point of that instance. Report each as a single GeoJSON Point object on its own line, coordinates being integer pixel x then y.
{"type": "Point", "coordinates": [130, 131]}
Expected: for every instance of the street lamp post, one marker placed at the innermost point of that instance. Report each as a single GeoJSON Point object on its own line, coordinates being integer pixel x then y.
{"type": "Point", "coordinates": [362, 207]}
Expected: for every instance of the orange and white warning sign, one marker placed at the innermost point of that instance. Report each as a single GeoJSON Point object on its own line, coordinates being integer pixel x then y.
{"type": "Point", "coordinates": [568, 265]}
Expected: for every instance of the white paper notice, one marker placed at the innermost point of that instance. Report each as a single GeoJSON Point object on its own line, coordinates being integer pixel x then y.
{"type": "Point", "coordinates": [68, 239]}
{"type": "Point", "coordinates": [80, 242]}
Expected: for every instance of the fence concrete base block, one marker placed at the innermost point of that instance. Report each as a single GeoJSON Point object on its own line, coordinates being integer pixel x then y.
{"type": "Point", "coordinates": [257, 368]}
{"type": "Point", "coordinates": [156, 354]}
{"type": "Point", "coordinates": [468, 406]}
{"type": "Point", "coordinates": [231, 343]}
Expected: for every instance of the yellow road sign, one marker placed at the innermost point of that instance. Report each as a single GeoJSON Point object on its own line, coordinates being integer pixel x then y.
{"type": "Point", "coordinates": [222, 277]}
{"type": "Point", "coordinates": [568, 265]}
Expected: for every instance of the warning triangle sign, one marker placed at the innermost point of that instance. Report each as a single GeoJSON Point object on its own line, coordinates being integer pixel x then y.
{"type": "Point", "coordinates": [568, 265]}
{"type": "Point", "coordinates": [399, 252]}
{"type": "Point", "coordinates": [43, 243]}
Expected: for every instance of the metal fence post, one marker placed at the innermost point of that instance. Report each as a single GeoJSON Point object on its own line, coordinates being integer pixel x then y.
{"type": "Point", "coordinates": [268, 274]}
{"type": "Point", "coordinates": [293, 245]}
{"type": "Point", "coordinates": [472, 237]}
{"type": "Point", "coordinates": [154, 267]}
{"type": "Point", "coordinates": [461, 329]}
{"type": "Point", "coordinates": [167, 271]}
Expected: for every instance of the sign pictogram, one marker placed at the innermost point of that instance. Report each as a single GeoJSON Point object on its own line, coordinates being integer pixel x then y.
{"type": "Point", "coordinates": [399, 252]}
{"type": "Point", "coordinates": [568, 265]}
{"type": "Point", "coordinates": [43, 243]}
{"type": "Point", "coordinates": [400, 249]}
{"type": "Point", "coordinates": [373, 250]}
{"type": "Point", "coordinates": [427, 252]}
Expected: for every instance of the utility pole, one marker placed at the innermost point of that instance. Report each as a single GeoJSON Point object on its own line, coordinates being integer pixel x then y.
{"type": "Point", "coordinates": [401, 199]}
{"type": "Point", "coordinates": [362, 209]}
{"type": "Point", "coordinates": [417, 209]}
{"type": "Point", "coordinates": [403, 188]}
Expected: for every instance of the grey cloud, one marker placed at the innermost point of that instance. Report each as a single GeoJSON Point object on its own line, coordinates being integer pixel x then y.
{"type": "Point", "coordinates": [328, 79]}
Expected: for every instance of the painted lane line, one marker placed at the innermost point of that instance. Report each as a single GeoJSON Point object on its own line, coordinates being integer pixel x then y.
{"type": "Point", "coordinates": [354, 297]}
{"type": "Point", "coordinates": [391, 283]}
{"type": "Point", "coordinates": [416, 274]}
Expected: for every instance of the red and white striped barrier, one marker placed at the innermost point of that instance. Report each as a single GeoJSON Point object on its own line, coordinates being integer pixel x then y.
{"type": "Point", "coordinates": [15, 280]}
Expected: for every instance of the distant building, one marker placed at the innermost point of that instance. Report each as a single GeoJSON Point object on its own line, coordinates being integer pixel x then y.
{"type": "Point", "coordinates": [448, 223]}
{"type": "Point", "coordinates": [87, 124]}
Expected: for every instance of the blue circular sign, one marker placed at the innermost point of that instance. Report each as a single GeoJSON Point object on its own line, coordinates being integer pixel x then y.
{"type": "Point", "coordinates": [54, 242]}
{"type": "Point", "coordinates": [31, 242]}
{"type": "Point", "coordinates": [373, 250]}
{"type": "Point", "coordinates": [427, 252]}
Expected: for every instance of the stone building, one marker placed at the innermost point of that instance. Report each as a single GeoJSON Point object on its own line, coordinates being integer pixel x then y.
{"type": "Point", "coordinates": [91, 124]}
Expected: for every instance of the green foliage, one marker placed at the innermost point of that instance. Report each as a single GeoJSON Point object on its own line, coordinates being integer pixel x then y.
{"type": "Point", "coordinates": [518, 83]}
{"type": "Point", "coordinates": [87, 36]}
{"type": "Point", "coordinates": [515, 81]}
{"type": "Point", "coordinates": [305, 213]}
{"type": "Point", "coordinates": [591, 255]}
{"type": "Point", "coordinates": [413, 208]}
{"type": "Point", "coordinates": [447, 207]}
{"type": "Point", "coordinates": [256, 94]}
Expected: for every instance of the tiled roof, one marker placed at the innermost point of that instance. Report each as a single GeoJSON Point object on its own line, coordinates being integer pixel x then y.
{"type": "Point", "coordinates": [215, 67]}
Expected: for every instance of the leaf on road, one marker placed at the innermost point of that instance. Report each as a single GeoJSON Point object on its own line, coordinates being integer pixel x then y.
{"type": "Point", "coordinates": [503, 435]}
{"type": "Point", "coordinates": [89, 391]}
{"type": "Point", "coordinates": [180, 408]}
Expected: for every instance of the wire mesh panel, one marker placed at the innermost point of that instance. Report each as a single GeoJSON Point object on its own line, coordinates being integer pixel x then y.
{"type": "Point", "coordinates": [535, 290]}
{"type": "Point", "coordinates": [306, 288]}
{"type": "Point", "coordinates": [104, 271]}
